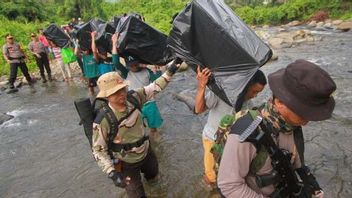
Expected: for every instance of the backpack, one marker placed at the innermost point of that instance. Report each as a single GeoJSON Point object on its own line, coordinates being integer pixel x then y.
{"type": "Point", "coordinates": [98, 110]}
{"type": "Point", "coordinates": [229, 121]}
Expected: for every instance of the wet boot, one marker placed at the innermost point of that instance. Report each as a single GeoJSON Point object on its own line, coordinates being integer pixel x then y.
{"type": "Point", "coordinates": [50, 78]}
{"type": "Point", "coordinates": [44, 79]}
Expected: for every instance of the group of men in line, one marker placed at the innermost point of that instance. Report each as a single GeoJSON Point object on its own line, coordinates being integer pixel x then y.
{"type": "Point", "coordinates": [301, 92]}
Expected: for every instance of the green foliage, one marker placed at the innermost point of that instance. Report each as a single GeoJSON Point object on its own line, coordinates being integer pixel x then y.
{"type": "Point", "coordinates": [157, 13]}
{"type": "Point", "coordinates": [292, 10]}
{"type": "Point", "coordinates": [25, 10]}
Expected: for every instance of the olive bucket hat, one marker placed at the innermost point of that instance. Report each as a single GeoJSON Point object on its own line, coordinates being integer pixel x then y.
{"type": "Point", "coordinates": [305, 88]}
{"type": "Point", "coordinates": [109, 84]}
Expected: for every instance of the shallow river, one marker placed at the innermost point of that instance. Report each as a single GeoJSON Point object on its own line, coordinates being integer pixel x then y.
{"type": "Point", "coordinates": [44, 152]}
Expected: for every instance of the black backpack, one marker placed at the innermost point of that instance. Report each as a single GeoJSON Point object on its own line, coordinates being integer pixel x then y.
{"type": "Point", "coordinates": [89, 112]}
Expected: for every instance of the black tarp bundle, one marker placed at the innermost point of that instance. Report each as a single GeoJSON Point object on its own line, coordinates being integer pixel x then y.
{"type": "Point", "coordinates": [84, 30]}
{"type": "Point", "coordinates": [56, 35]}
{"type": "Point", "coordinates": [208, 33]}
{"type": "Point", "coordinates": [142, 41]}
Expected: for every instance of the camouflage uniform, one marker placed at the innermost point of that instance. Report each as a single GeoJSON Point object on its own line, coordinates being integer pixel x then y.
{"type": "Point", "coordinates": [131, 130]}
{"type": "Point", "coordinates": [241, 162]}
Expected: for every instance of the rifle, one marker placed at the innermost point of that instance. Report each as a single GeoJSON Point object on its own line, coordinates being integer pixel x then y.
{"type": "Point", "coordinates": [292, 183]}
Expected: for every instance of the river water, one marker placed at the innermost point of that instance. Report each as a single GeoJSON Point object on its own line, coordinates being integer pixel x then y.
{"type": "Point", "coordinates": [44, 152]}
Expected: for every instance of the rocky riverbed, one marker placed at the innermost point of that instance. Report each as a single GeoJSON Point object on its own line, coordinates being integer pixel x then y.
{"type": "Point", "coordinates": [44, 153]}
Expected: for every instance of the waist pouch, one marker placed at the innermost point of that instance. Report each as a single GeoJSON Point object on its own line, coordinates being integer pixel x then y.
{"type": "Point", "coordinates": [19, 58]}
{"type": "Point", "coordinates": [129, 146]}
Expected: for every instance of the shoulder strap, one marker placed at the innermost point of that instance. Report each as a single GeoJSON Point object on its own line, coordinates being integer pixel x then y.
{"type": "Point", "coordinates": [246, 128]}
{"type": "Point", "coordinates": [299, 142]}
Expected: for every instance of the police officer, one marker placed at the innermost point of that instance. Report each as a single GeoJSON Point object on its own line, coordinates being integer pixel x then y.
{"type": "Point", "coordinates": [302, 92]}
{"type": "Point", "coordinates": [15, 56]}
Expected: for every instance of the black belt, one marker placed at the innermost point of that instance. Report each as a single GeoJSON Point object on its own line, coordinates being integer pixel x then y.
{"type": "Point", "coordinates": [129, 146]}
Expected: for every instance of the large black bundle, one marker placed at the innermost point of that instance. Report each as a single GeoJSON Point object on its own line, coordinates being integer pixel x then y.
{"type": "Point", "coordinates": [142, 41]}
{"type": "Point", "coordinates": [56, 35]}
{"type": "Point", "coordinates": [208, 33]}
{"type": "Point", "coordinates": [115, 21]}
{"type": "Point", "coordinates": [84, 30]}
{"type": "Point", "coordinates": [103, 37]}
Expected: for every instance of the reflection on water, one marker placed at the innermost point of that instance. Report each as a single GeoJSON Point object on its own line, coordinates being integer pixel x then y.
{"type": "Point", "coordinates": [44, 153]}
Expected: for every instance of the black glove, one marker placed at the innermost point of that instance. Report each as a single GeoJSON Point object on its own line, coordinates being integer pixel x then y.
{"type": "Point", "coordinates": [311, 185]}
{"type": "Point", "coordinates": [118, 179]}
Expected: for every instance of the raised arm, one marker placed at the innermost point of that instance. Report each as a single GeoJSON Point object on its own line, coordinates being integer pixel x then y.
{"type": "Point", "coordinates": [93, 46]}
{"type": "Point", "coordinates": [202, 77]}
{"type": "Point", "coordinates": [159, 84]}
{"type": "Point", "coordinates": [115, 57]}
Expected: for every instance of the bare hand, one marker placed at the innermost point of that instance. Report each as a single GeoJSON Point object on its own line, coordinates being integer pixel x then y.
{"type": "Point", "coordinates": [319, 194]}
{"type": "Point", "coordinates": [203, 76]}
{"type": "Point", "coordinates": [115, 37]}
{"type": "Point", "coordinates": [37, 55]}
{"type": "Point", "coordinates": [93, 34]}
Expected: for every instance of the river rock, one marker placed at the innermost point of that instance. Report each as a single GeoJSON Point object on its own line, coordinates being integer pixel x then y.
{"type": "Point", "coordinates": [266, 26]}
{"type": "Point", "coordinates": [281, 43]}
{"type": "Point", "coordinates": [275, 56]}
{"type": "Point", "coordinates": [327, 25]}
{"type": "Point", "coordinates": [337, 22]}
{"type": "Point", "coordinates": [320, 24]}
{"type": "Point", "coordinates": [294, 23]}
{"type": "Point", "coordinates": [4, 117]}
{"type": "Point", "coordinates": [328, 21]}
{"type": "Point", "coordinates": [312, 24]}
{"type": "Point", "coordinates": [344, 26]}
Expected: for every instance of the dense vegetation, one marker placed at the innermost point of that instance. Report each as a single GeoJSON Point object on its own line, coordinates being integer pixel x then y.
{"type": "Point", "coordinates": [21, 17]}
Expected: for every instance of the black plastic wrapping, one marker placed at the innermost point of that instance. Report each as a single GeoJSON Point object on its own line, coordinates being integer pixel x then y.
{"type": "Point", "coordinates": [208, 33]}
{"type": "Point", "coordinates": [84, 30]}
{"type": "Point", "coordinates": [56, 35]}
{"type": "Point", "coordinates": [142, 41]}
{"type": "Point", "coordinates": [103, 37]}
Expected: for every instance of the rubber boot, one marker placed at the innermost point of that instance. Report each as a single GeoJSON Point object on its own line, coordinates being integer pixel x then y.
{"type": "Point", "coordinates": [44, 79]}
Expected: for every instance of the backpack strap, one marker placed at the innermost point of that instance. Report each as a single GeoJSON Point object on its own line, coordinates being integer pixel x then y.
{"type": "Point", "coordinates": [299, 142]}
{"type": "Point", "coordinates": [107, 113]}
{"type": "Point", "coordinates": [246, 128]}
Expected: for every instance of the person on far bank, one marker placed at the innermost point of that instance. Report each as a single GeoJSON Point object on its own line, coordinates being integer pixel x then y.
{"type": "Point", "coordinates": [140, 76]}
{"type": "Point", "coordinates": [41, 57]}
{"type": "Point", "coordinates": [90, 68]}
{"type": "Point", "coordinates": [126, 155]}
{"type": "Point", "coordinates": [302, 92]}
{"type": "Point", "coordinates": [15, 57]}
{"type": "Point", "coordinates": [65, 68]}
{"type": "Point", "coordinates": [218, 108]}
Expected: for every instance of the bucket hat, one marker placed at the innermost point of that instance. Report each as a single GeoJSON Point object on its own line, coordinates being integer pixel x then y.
{"type": "Point", "coordinates": [305, 88]}
{"type": "Point", "coordinates": [109, 83]}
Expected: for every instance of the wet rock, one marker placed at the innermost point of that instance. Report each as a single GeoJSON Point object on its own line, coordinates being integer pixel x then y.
{"type": "Point", "coordinates": [275, 56]}
{"type": "Point", "coordinates": [4, 117]}
{"type": "Point", "coordinates": [327, 25]}
{"type": "Point", "coordinates": [320, 24]}
{"type": "Point", "coordinates": [328, 21]}
{"type": "Point", "coordinates": [281, 43]}
{"type": "Point", "coordinates": [312, 24]}
{"type": "Point", "coordinates": [337, 22]}
{"type": "Point", "coordinates": [294, 23]}
{"type": "Point", "coordinates": [344, 26]}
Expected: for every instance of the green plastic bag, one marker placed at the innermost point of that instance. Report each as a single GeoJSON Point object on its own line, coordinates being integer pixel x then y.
{"type": "Point", "coordinates": [67, 55]}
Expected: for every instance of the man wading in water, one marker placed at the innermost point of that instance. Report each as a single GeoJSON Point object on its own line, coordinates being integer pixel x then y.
{"type": "Point", "coordinates": [130, 153]}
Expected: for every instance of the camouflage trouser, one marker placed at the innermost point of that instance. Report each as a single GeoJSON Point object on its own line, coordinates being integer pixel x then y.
{"type": "Point", "coordinates": [148, 166]}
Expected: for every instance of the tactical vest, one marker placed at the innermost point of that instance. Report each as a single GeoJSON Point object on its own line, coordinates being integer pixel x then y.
{"type": "Point", "coordinates": [228, 125]}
